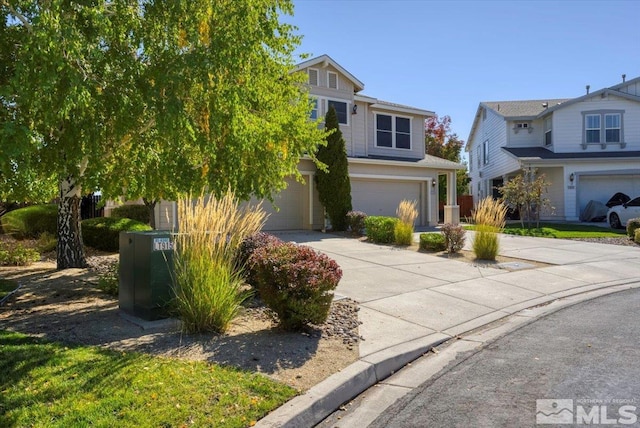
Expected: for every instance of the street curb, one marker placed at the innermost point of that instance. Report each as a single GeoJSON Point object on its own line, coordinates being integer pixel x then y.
{"type": "Point", "coordinates": [321, 400]}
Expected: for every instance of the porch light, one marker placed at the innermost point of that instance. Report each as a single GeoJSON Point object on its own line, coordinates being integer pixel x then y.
{"type": "Point", "coordinates": [572, 177]}
{"type": "Point", "coordinates": [354, 110]}
{"type": "Point", "coordinates": [433, 182]}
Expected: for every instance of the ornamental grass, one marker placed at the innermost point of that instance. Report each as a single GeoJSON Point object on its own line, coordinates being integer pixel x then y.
{"type": "Point", "coordinates": [208, 280]}
{"type": "Point", "coordinates": [489, 216]}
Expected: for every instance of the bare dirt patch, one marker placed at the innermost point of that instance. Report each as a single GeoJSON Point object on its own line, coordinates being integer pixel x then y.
{"type": "Point", "coordinates": [66, 306]}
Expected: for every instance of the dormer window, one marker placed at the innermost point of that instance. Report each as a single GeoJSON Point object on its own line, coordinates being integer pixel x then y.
{"type": "Point", "coordinates": [332, 80]}
{"type": "Point", "coordinates": [313, 76]}
{"type": "Point", "coordinates": [522, 126]}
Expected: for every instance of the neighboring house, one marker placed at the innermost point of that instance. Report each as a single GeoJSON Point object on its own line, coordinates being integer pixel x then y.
{"type": "Point", "coordinates": [588, 147]}
{"type": "Point", "coordinates": [385, 145]}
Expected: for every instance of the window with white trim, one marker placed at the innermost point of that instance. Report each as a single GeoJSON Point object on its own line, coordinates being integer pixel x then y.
{"type": "Point", "coordinates": [479, 156]}
{"type": "Point", "coordinates": [470, 161]}
{"type": "Point", "coordinates": [612, 128]}
{"type": "Point", "coordinates": [332, 80]}
{"type": "Point", "coordinates": [547, 131]}
{"type": "Point", "coordinates": [314, 109]}
{"type": "Point", "coordinates": [485, 152]}
{"type": "Point", "coordinates": [393, 131]}
{"type": "Point", "coordinates": [341, 110]}
{"type": "Point", "coordinates": [592, 128]}
{"type": "Point", "coordinates": [313, 76]}
{"type": "Point", "coordinates": [603, 127]}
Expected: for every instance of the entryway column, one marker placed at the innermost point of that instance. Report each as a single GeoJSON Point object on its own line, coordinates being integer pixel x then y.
{"type": "Point", "coordinates": [452, 209]}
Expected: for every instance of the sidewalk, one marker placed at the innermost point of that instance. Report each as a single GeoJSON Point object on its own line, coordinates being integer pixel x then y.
{"type": "Point", "coordinates": [411, 302]}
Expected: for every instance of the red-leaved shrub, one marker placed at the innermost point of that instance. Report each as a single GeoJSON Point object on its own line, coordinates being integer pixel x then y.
{"type": "Point", "coordinates": [295, 282]}
{"type": "Point", "coordinates": [249, 245]}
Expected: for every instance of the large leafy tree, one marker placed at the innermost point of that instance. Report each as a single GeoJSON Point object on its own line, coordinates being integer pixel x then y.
{"type": "Point", "coordinates": [334, 186]}
{"type": "Point", "coordinates": [147, 98]}
{"type": "Point", "coordinates": [442, 142]}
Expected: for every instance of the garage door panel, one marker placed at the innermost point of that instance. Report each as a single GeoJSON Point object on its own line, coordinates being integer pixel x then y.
{"type": "Point", "coordinates": [602, 187]}
{"type": "Point", "coordinates": [289, 214]}
{"type": "Point", "coordinates": [379, 197]}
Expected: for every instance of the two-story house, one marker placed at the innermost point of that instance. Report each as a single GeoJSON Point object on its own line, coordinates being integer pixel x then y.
{"type": "Point", "coordinates": [588, 147]}
{"type": "Point", "coordinates": [385, 145]}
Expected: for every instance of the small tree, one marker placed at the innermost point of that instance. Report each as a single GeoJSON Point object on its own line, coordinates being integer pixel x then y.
{"type": "Point", "coordinates": [334, 186]}
{"type": "Point", "coordinates": [527, 195]}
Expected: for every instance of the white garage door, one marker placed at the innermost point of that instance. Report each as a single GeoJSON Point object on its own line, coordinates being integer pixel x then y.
{"type": "Point", "coordinates": [602, 187]}
{"type": "Point", "coordinates": [291, 208]}
{"type": "Point", "coordinates": [381, 197]}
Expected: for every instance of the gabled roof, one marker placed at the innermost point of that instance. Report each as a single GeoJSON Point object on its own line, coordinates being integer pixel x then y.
{"type": "Point", "coordinates": [522, 109]}
{"type": "Point", "coordinates": [535, 109]}
{"type": "Point", "coordinates": [323, 61]}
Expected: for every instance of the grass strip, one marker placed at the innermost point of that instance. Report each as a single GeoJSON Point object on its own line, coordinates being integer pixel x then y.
{"type": "Point", "coordinates": [560, 231]}
{"type": "Point", "coordinates": [49, 384]}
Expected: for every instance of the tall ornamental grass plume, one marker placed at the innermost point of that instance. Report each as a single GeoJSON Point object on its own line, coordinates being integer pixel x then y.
{"type": "Point", "coordinates": [489, 217]}
{"type": "Point", "coordinates": [208, 281]}
{"type": "Point", "coordinates": [407, 214]}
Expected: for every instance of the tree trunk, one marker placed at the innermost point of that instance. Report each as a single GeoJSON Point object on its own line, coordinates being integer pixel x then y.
{"type": "Point", "coordinates": [70, 249]}
{"type": "Point", "coordinates": [151, 206]}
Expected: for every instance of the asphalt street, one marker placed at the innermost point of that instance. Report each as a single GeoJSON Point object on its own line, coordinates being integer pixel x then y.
{"type": "Point", "coordinates": [578, 365]}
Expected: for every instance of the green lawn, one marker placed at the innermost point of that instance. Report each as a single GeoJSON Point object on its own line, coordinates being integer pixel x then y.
{"type": "Point", "coordinates": [52, 385]}
{"type": "Point", "coordinates": [6, 287]}
{"type": "Point", "coordinates": [561, 230]}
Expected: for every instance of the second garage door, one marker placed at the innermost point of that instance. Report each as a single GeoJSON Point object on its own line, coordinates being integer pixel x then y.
{"type": "Point", "coordinates": [602, 187]}
{"type": "Point", "coordinates": [381, 197]}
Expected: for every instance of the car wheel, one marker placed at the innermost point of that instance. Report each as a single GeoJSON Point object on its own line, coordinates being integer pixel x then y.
{"type": "Point", "coordinates": [614, 221]}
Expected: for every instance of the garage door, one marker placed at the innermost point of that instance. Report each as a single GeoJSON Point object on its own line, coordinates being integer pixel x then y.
{"type": "Point", "coordinates": [291, 208]}
{"type": "Point", "coordinates": [381, 197]}
{"type": "Point", "coordinates": [602, 187]}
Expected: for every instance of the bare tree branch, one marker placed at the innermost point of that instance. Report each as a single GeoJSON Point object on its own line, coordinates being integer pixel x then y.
{"type": "Point", "coordinates": [18, 15]}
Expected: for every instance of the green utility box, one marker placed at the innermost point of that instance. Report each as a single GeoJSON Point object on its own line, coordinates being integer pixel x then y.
{"type": "Point", "coordinates": [146, 263]}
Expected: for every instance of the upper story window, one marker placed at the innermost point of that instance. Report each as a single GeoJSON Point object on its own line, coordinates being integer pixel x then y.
{"type": "Point", "coordinates": [341, 110]}
{"type": "Point", "coordinates": [547, 132]}
{"type": "Point", "coordinates": [314, 109]}
{"type": "Point", "coordinates": [592, 128]}
{"type": "Point", "coordinates": [470, 161]}
{"type": "Point", "coordinates": [313, 76]}
{"type": "Point", "coordinates": [612, 128]}
{"type": "Point", "coordinates": [485, 152]}
{"type": "Point", "coordinates": [603, 127]}
{"type": "Point", "coordinates": [393, 131]}
{"type": "Point", "coordinates": [484, 114]}
{"type": "Point", "coordinates": [332, 80]}
{"type": "Point", "coordinates": [479, 155]}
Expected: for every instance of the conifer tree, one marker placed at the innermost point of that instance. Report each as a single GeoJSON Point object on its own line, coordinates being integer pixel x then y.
{"type": "Point", "coordinates": [334, 186]}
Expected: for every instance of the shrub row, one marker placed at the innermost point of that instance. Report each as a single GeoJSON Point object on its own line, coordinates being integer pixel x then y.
{"type": "Point", "coordinates": [432, 242]}
{"type": "Point", "coordinates": [30, 222]}
{"type": "Point", "coordinates": [103, 233]}
{"type": "Point", "coordinates": [380, 229]}
{"type": "Point", "coordinates": [134, 212]}
{"type": "Point", "coordinates": [294, 281]}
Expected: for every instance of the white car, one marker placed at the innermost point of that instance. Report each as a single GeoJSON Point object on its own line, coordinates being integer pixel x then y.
{"type": "Point", "coordinates": [619, 215]}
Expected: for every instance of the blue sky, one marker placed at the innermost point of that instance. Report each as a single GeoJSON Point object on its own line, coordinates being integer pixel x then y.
{"type": "Point", "coordinates": [447, 56]}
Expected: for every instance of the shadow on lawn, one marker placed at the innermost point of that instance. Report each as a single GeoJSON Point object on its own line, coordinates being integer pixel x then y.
{"type": "Point", "coordinates": [64, 306]}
